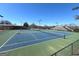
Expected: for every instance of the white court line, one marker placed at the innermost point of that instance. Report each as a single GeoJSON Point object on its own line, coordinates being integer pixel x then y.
{"type": "Point", "coordinates": [20, 47]}
{"type": "Point", "coordinates": [8, 40]}
{"type": "Point", "coordinates": [24, 46]}
{"type": "Point", "coordinates": [20, 42]}
{"type": "Point", "coordinates": [32, 40]}
{"type": "Point", "coordinates": [29, 41]}
{"type": "Point", "coordinates": [33, 35]}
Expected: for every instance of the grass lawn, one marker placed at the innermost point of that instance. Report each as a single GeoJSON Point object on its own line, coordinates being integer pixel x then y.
{"type": "Point", "coordinates": [46, 48]}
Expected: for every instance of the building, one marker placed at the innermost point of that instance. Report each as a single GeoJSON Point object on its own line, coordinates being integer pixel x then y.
{"type": "Point", "coordinates": [61, 28]}
{"type": "Point", "coordinates": [10, 27]}
{"type": "Point", "coordinates": [6, 25]}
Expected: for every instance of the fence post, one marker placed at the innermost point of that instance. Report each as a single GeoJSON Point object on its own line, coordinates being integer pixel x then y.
{"type": "Point", "coordinates": [72, 49]}
{"type": "Point", "coordinates": [54, 54]}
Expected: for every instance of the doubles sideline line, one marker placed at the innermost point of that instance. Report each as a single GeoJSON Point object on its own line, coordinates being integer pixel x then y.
{"type": "Point", "coordinates": [30, 41]}
{"type": "Point", "coordinates": [36, 39]}
{"type": "Point", "coordinates": [8, 40]}
{"type": "Point", "coordinates": [17, 43]}
{"type": "Point", "coordinates": [33, 35]}
{"type": "Point", "coordinates": [18, 47]}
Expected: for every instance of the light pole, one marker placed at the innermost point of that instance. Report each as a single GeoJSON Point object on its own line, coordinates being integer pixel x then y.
{"type": "Point", "coordinates": [77, 16]}
{"type": "Point", "coordinates": [21, 23]}
{"type": "Point", "coordinates": [56, 23]}
{"type": "Point", "coordinates": [1, 17]}
{"type": "Point", "coordinates": [39, 23]}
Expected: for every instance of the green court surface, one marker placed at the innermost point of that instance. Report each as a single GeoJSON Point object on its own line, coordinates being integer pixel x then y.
{"type": "Point", "coordinates": [45, 48]}
{"type": "Point", "coordinates": [6, 35]}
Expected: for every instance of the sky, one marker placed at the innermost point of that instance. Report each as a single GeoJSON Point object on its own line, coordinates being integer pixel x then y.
{"type": "Point", "coordinates": [49, 13]}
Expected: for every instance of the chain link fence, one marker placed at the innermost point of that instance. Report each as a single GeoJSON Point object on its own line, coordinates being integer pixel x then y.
{"type": "Point", "coordinates": [70, 50]}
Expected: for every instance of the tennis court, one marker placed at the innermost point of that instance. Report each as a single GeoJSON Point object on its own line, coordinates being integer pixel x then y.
{"type": "Point", "coordinates": [29, 37]}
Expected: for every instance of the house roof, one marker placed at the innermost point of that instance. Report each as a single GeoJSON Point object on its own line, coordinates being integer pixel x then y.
{"type": "Point", "coordinates": [59, 28]}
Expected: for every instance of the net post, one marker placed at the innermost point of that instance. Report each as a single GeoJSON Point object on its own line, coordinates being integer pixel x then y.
{"type": "Point", "coordinates": [64, 36]}
{"type": "Point", "coordinates": [72, 49]}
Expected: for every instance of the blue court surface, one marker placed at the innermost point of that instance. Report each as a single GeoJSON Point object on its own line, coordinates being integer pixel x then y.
{"type": "Point", "coordinates": [28, 37]}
